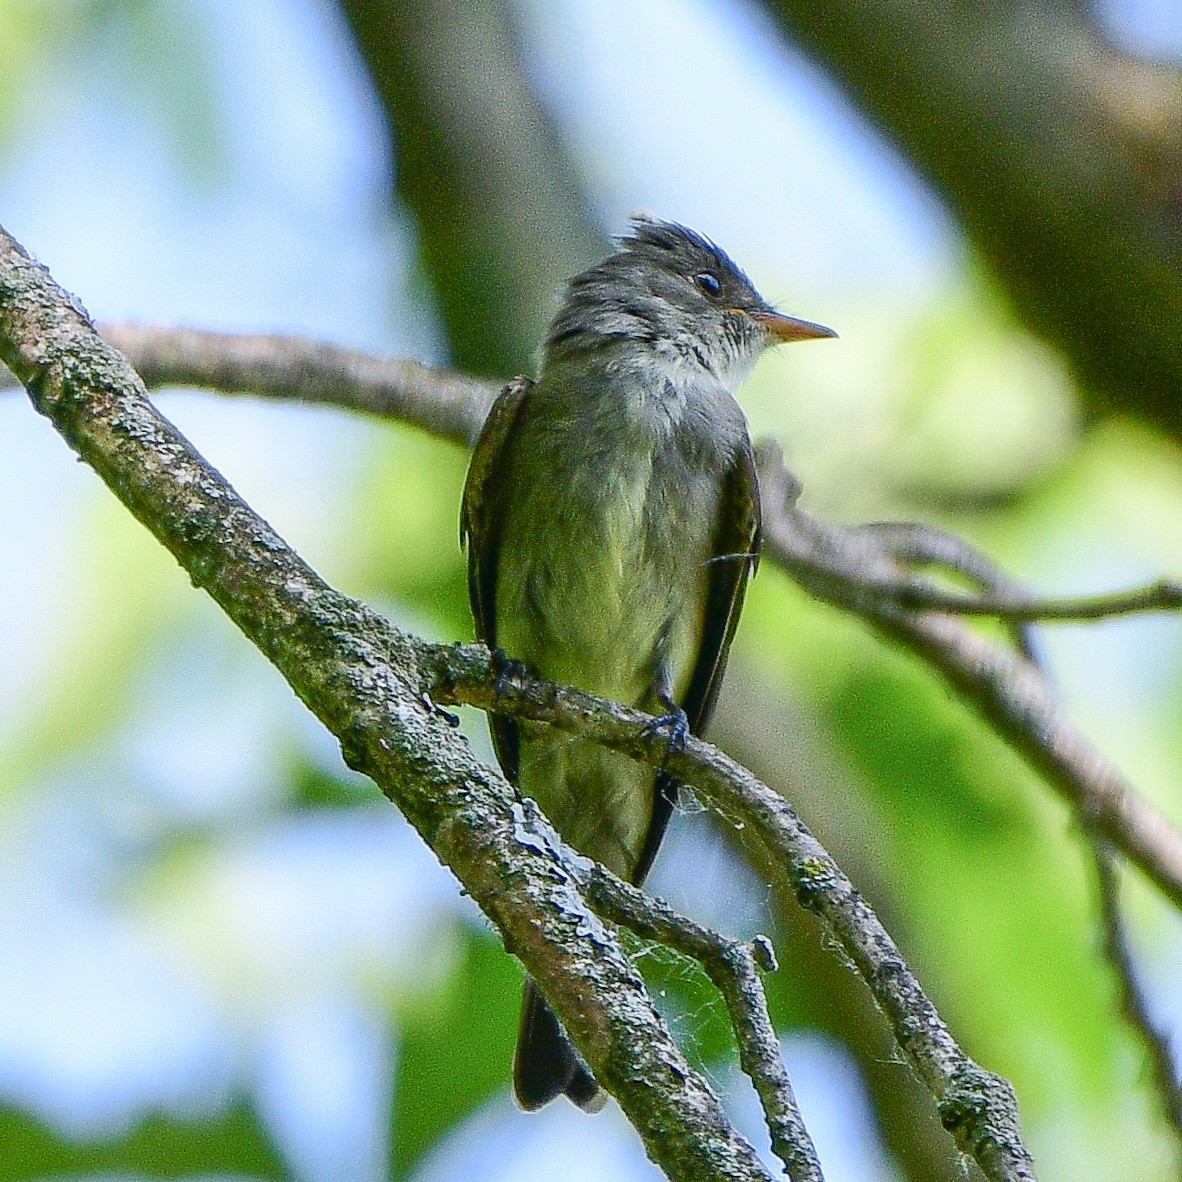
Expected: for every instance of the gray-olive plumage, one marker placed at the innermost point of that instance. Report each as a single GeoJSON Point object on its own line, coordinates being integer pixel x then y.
{"type": "Point", "coordinates": [612, 519]}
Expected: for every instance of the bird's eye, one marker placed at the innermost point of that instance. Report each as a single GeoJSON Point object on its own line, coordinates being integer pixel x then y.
{"type": "Point", "coordinates": [707, 283]}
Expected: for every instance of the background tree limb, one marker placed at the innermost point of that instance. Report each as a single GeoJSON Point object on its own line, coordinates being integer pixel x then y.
{"type": "Point", "coordinates": [1060, 155]}
{"type": "Point", "coordinates": [842, 568]}
{"type": "Point", "coordinates": [499, 207]}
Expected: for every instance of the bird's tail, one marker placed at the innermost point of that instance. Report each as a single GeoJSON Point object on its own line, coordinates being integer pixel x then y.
{"type": "Point", "coordinates": [546, 1065]}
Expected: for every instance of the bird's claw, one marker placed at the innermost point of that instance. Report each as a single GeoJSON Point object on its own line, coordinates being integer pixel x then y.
{"type": "Point", "coordinates": [507, 670]}
{"type": "Point", "coordinates": [673, 724]}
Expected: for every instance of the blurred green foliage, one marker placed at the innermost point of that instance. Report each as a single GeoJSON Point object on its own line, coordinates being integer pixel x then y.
{"type": "Point", "coordinates": [942, 409]}
{"type": "Point", "coordinates": [160, 1147]}
{"type": "Point", "coordinates": [158, 49]}
{"type": "Point", "coordinates": [455, 1047]}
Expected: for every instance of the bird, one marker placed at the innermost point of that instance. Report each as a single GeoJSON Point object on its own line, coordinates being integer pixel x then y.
{"type": "Point", "coordinates": [612, 522]}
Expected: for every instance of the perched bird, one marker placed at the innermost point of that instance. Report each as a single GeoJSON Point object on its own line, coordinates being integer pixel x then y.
{"type": "Point", "coordinates": [611, 513]}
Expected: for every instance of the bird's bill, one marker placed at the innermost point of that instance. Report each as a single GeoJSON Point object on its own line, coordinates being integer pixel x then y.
{"type": "Point", "coordinates": [783, 329]}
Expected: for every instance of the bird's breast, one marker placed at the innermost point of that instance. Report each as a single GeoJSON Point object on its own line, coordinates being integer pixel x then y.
{"type": "Point", "coordinates": [611, 513]}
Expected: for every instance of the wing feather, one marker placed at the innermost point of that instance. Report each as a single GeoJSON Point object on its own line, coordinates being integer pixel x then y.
{"type": "Point", "coordinates": [480, 528]}
{"type": "Point", "coordinates": [736, 556]}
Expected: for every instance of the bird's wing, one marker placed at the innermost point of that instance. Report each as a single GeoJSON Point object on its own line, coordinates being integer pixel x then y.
{"type": "Point", "coordinates": [736, 555]}
{"type": "Point", "coordinates": [480, 528]}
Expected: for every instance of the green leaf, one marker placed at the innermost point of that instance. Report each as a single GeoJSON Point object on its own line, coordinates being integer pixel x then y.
{"type": "Point", "coordinates": [161, 1146]}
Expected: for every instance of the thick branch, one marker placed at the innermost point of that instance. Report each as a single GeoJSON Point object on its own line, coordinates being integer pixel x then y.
{"type": "Point", "coordinates": [499, 206]}
{"type": "Point", "coordinates": [1061, 157]}
{"type": "Point", "coordinates": [363, 679]}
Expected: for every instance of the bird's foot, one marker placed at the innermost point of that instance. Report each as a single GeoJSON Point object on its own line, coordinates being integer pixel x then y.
{"type": "Point", "coordinates": [673, 724]}
{"type": "Point", "coordinates": [507, 670]}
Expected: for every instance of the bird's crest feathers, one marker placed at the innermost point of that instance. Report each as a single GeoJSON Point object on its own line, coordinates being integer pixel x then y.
{"type": "Point", "coordinates": [676, 246]}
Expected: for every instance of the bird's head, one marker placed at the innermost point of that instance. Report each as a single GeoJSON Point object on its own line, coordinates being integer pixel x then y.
{"type": "Point", "coordinates": [669, 289]}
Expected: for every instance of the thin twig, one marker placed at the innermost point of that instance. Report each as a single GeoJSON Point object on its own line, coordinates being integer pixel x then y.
{"type": "Point", "coordinates": [838, 567]}
{"type": "Point", "coordinates": [915, 593]}
{"type": "Point", "coordinates": [1133, 1002]}
{"type": "Point", "coordinates": [733, 966]}
{"type": "Point", "coordinates": [915, 543]}
{"type": "Point", "coordinates": [912, 544]}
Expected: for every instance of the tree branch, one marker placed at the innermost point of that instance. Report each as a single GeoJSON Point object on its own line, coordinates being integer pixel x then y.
{"type": "Point", "coordinates": [919, 595]}
{"type": "Point", "coordinates": [364, 679]}
{"type": "Point", "coordinates": [977, 1107]}
{"type": "Point", "coordinates": [500, 209]}
{"type": "Point", "coordinates": [914, 544]}
{"type": "Point", "coordinates": [843, 568]}
{"type": "Point", "coordinates": [294, 369]}
{"type": "Point", "coordinates": [733, 966]}
{"type": "Point", "coordinates": [1059, 155]}
{"type": "Point", "coordinates": [1013, 696]}
{"type": "Point", "coordinates": [919, 544]}
{"type": "Point", "coordinates": [1132, 998]}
